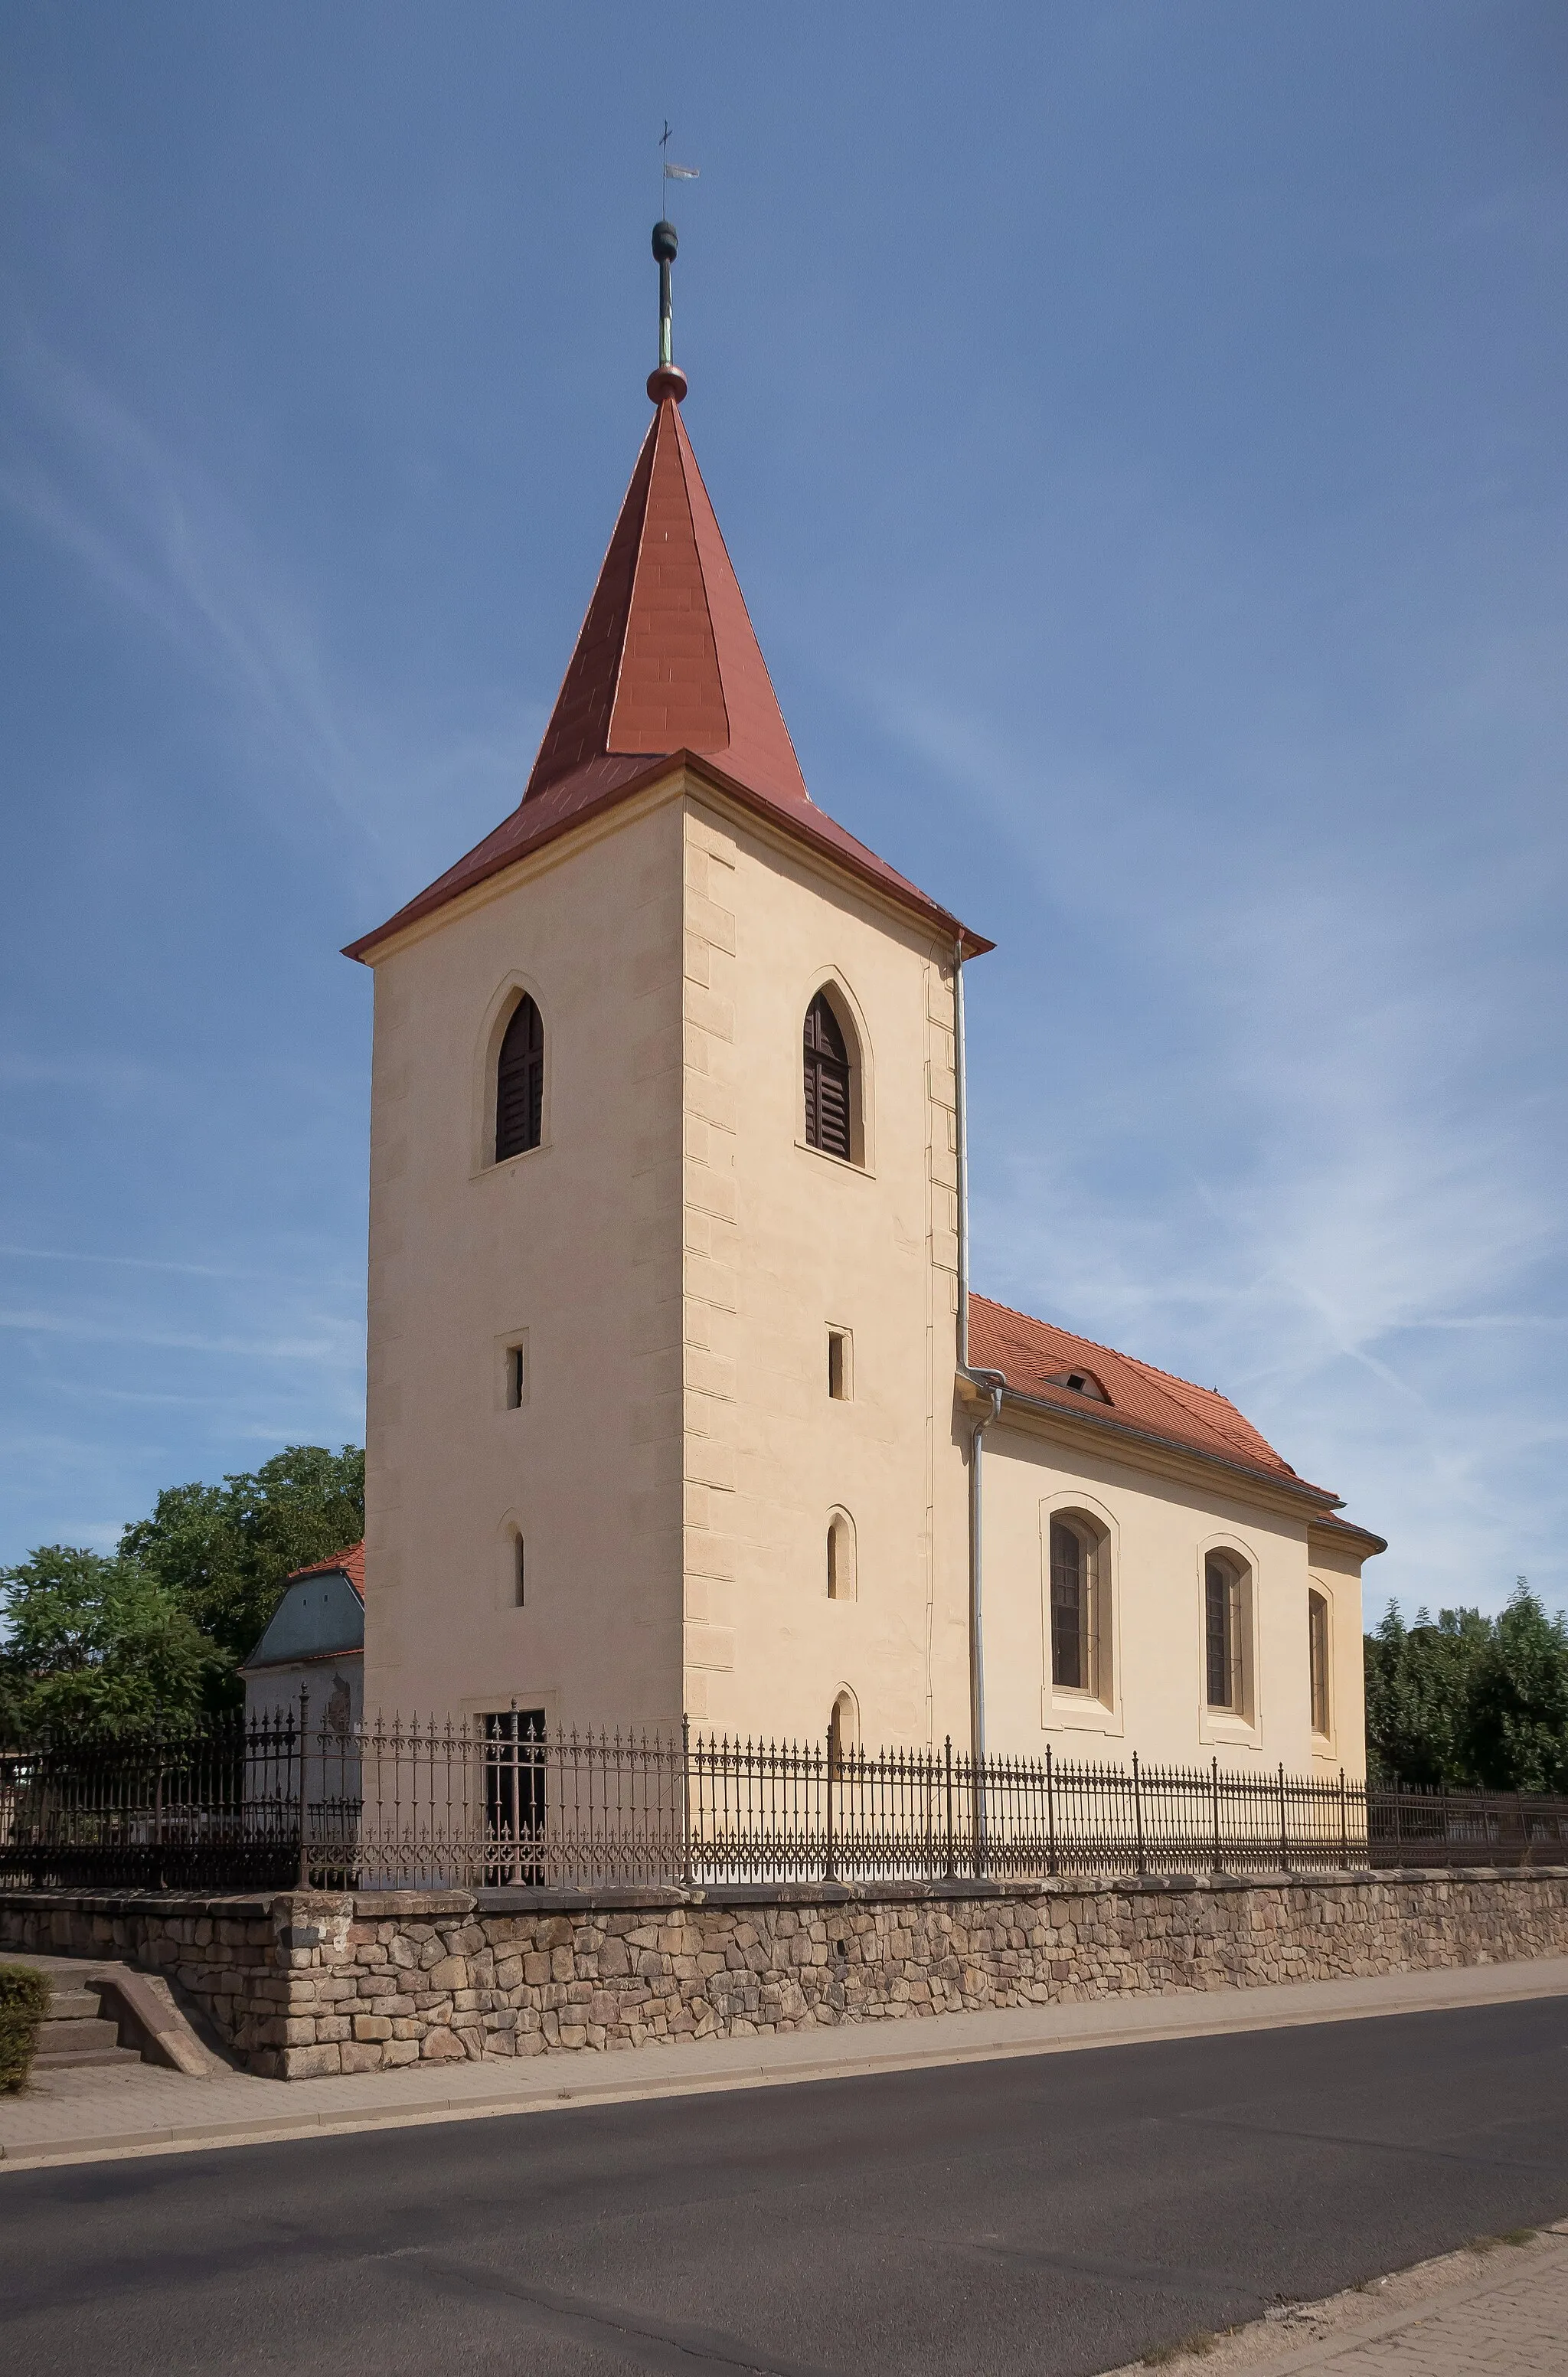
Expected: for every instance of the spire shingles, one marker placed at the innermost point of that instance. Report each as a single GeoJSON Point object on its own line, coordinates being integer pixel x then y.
{"type": "Point", "coordinates": [668, 660]}
{"type": "Point", "coordinates": [667, 664]}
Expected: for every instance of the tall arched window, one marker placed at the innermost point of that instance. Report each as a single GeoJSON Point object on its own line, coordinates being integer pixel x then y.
{"type": "Point", "coordinates": [1226, 1621]}
{"type": "Point", "coordinates": [1317, 1659]}
{"type": "Point", "coordinates": [1073, 1587]}
{"type": "Point", "coordinates": [827, 1081]}
{"type": "Point", "coordinates": [520, 1082]}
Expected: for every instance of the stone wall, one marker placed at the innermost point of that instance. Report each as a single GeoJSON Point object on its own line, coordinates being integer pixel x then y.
{"type": "Point", "coordinates": [221, 1952]}
{"type": "Point", "coordinates": [307, 1983]}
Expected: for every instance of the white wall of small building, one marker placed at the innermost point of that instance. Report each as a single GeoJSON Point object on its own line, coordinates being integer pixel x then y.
{"type": "Point", "coordinates": [335, 1687]}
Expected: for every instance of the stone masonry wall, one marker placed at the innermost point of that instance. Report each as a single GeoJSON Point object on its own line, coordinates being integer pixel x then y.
{"type": "Point", "coordinates": [222, 1953]}
{"type": "Point", "coordinates": [309, 1983]}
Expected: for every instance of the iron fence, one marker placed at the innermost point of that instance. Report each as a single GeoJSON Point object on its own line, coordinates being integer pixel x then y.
{"type": "Point", "coordinates": [1406, 1826]}
{"type": "Point", "coordinates": [503, 1801]}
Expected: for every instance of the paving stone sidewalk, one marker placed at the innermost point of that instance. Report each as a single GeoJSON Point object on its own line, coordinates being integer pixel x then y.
{"type": "Point", "coordinates": [1496, 2309]}
{"type": "Point", "coordinates": [1517, 2328]}
{"type": "Point", "coordinates": [137, 2109]}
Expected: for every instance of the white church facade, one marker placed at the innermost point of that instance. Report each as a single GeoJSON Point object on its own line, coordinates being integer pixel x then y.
{"type": "Point", "coordinates": [673, 1410]}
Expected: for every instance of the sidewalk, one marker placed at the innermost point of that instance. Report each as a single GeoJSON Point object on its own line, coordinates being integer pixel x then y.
{"type": "Point", "coordinates": [132, 2109]}
{"type": "Point", "coordinates": [1497, 2309]}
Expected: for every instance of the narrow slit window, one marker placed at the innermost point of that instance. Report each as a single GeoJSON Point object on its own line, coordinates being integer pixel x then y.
{"type": "Point", "coordinates": [841, 1557]}
{"type": "Point", "coordinates": [838, 1365]}
{"type": "Point", "coordinates": [519, 1573]}
{"type": "Point", "coordinates": [519, 1083]}
{"type": "Point", "coordinates": [842, 1738]}
{"type": "Point", "coordinates": [516, 1376]}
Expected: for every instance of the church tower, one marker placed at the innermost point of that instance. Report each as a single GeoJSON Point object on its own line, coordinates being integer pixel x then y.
{"type": "Point", "coordinates": [662, 1239]}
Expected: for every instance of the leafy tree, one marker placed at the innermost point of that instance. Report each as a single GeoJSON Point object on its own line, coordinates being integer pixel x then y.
{"type": "Point", "coordinates": [1470, 1701]}
{"type": "Point", "coordinates": [1417, 1695]}
{"type": "Point", "coordinates": [224, 1551]}
{"type": "Point", "coordinates": [1518, 1699]}
{"type": "Point", "coordinates": [94, 1641]}
{"type": "Point", "coordinates": [164, 1625]}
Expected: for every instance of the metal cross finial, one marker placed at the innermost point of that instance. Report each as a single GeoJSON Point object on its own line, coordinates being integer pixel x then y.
{"type": "Point", "coordinates": [667, 379]}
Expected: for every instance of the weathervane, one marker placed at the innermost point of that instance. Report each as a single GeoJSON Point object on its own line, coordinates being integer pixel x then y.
{"type": "Point", "coordinates": [669, 379]}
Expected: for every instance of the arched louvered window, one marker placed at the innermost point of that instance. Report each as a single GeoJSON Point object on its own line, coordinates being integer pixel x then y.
{"type": "Point", "coordinates": [520, 1082]}
{"type": "Point", "coordinates": [827, 1081]}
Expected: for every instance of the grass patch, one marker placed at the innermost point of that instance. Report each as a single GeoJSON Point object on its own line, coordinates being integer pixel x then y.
{"type": "Point", "coordinates": [1520, 2236]}
{"type": "Point", "coordinates": [1483, 2244]}
{"type": "Point", "coordinates": [1195, 2345]}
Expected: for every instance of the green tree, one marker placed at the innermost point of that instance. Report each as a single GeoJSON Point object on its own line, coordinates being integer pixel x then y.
{"type": "Point", "coordinates": [1518, 1711]}
{"type": "Point", "coordinates": [224, 1551]}
{"type": "Point", "coordinates": [95, 1640]}
{"type": "Point", "coordinates": [1419, 1695]}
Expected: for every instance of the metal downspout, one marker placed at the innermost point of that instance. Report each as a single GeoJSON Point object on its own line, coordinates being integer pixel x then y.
{"type": "Point", "coordinates": [991, 1384]}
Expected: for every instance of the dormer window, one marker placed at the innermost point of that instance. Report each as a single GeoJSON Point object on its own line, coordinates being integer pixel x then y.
{"type": "Point", "coordinates": [1080, 1382]}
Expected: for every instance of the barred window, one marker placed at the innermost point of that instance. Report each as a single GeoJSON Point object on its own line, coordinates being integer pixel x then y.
{"type": "Point", "coordinates": [520, 1082]}
{"type": "Point", "coordinates": [515, 1757]}
{"type": "Point", "coordinates": [829, 1081]}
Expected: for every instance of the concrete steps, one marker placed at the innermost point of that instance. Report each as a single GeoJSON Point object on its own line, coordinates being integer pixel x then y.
{"type": "Point", "coordinates": [75, 2031]}
{"type": "Point", "coordinates": [105, 2013]}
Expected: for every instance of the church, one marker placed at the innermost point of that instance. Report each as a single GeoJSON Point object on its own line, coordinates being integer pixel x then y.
{"type": "Point", "coordinates": [680, 1402]}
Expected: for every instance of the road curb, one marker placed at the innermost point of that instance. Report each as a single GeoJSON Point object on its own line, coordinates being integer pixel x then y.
{"type": "Point", "coordinates": [591, 2089]}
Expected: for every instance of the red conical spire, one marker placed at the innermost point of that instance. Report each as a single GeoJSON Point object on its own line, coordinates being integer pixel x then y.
{"type": "Point", "coordinates": [668, 660]}
{"type": "Point", "coordinates": [667, 667]}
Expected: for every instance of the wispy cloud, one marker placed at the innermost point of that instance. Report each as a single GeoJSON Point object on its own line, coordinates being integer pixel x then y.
{"type": "Point", "coordinates": [157, 534]}
{"type": "Point", "coordinates": [1287, 1155]}
{"type": "Point", "coordinates": [334, 1343]}
{"type": "Point", "coordinates": [315, 1279]}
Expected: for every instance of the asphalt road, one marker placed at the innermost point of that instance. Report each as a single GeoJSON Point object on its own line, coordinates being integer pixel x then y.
{"type": "Point", "coordinates": [1055, 2215]}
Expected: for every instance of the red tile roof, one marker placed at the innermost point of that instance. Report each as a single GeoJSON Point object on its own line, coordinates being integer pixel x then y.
{"type": "Point", "coordinates": [1143, 1401]}
{"type": "Point", "coordinates": [349, 1563]}
{"type": "Point", "coordinates": [667, 668]}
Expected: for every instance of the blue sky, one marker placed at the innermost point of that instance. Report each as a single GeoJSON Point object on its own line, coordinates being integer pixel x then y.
{"type": "Point", "coordinates": [1139, 430]}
